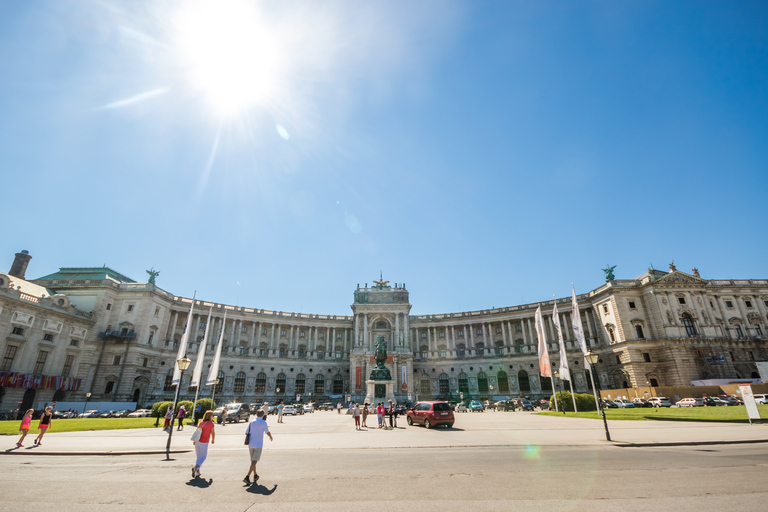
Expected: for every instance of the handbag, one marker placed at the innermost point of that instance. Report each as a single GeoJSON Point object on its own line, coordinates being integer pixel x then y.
{"type": "Point", "coordinates": [196, 434]}
{"type": "Point", "coordinates": [248, 435]}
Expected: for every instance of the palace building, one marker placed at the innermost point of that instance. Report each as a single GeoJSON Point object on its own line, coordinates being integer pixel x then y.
{"type": "Point", "coordinates": [94, 330]}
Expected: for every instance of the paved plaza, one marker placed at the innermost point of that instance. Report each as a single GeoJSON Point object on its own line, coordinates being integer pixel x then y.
{"type": "Point", "coordinates": [489, 461]}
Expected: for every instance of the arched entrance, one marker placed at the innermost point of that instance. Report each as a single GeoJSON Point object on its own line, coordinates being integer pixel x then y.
{"type": "Point", "coordinates": [59, 395]}
{"type": "Point", "coordinates": [29, 399]}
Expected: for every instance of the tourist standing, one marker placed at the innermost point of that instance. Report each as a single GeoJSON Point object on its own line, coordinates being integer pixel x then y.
{"type": "Point", "coordinates": [168, 418]}
{"type": "Point", "coordinates": [180, 417]}
{"type": "Point", "coordinates": [26, 421]}
{"type": "Point", "coordinates": [338, 407]}
{"type": "Point", "coordinates": [207, 433]}
{"type": "Point", "coordinates": [280, 412]}
{"type": "Point", "coordinates": [265, 410]}
{"type": "Point", "coordinates": [356, 414]}
{"type": "Point", "coordinates": [45, 422]}
{"type": "Point", "coordinates": [380, 413]}
{"type": "Point", "coordinates": [257, 428]}
{"type": "Point", "coordinates": [365, 414]}
{"type": "Point", "coordinates": [223, 416]}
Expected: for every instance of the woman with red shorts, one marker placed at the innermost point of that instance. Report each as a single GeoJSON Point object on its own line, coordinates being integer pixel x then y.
{"type": "Point", "coordinates": [45, 423]}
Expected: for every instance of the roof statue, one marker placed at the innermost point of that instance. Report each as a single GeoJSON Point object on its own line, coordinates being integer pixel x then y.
{"type": "Point", "coordinates": [672, 267]}
{"type": "Point", "coordinates": [152, 275]}
{"type": "Point", "coordinates": [696, 272]}
{"type": "Point", "coordinates": [609, 273]}
{"type": "Point", "coordinates": [381, 282]}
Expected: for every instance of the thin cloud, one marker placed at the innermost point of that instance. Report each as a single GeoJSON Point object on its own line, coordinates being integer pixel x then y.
{"type": "Point", "coordinates": [135, 99]}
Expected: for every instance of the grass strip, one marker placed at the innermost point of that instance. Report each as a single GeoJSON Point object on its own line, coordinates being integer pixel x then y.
{"type": "Point", "coordinates": [732, 414]}
{"type": "Point", "coordinates": [80, 425]}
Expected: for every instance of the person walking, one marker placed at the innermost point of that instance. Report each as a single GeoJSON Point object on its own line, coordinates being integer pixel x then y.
{"type": "Point", "coordinates": [338, 407]}
{"type": "Point", "coordinates": [207, 433]}
{"type": "Point", "coordinates": [365, 415]}
{"type": "Point", "coordinates": [380, 414]}
{"type": "Point", "coordinates": [223, 416]}
{"type": "Point", "coordinates": [168, 418]}
{"type": "Point", "coordinates": [45, 423]}
{"type": "Point", "coordinates": [265, 410]}
{"type": "Point", "coordinates": [26, 421]}
{"type": "Point", "coordinates": [356, 414]}
{"type": "Point", "coordinates": [256, 429]}
{"type": "Point", "coordinates": [391, 414]}
{"type": "Point", "coordinates": [280, 412]}
{"type": "Point", "coordinates": [180, 417]}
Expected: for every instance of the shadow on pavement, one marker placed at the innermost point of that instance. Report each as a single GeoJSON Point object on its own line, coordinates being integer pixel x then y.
{"type": "Point", "coordinates": [260, 489]}
{"type": "Point", "coordinates": [200, 482]}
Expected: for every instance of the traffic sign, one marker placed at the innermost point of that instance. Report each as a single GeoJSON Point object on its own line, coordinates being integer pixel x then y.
{"type": "Point", "coordinates": [461, 394]}
{"type": "Point", "coordinates": [298, 397]}
{"type": "Point", "coordinates": [349, 398]}
{"type": "Point", "coordinates": [410, 396]}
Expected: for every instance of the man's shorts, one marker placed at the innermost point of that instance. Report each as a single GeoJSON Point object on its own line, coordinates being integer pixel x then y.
{"type": "Point", "coordinates": [255, 454]}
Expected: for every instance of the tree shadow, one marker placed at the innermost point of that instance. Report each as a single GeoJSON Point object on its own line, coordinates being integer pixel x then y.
{"type": "Point", "coordinates": [256, 488]}
{"type": "Point", "coordinates": [201, 483]}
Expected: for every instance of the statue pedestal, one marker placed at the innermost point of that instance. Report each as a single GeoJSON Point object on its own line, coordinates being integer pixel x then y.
{"type": "Point", "coordinates": [380, 391]}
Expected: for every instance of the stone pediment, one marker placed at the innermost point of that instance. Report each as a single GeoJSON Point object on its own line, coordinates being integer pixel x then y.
{"type": "Point", "coordinates": [678, 277]}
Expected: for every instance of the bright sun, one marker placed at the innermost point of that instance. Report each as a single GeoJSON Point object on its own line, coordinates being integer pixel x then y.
{"type": "Point", "coordinates": [231, 53]}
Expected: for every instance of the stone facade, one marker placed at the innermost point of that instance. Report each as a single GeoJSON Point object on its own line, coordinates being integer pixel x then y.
{"type": "Point", "coordinates": [660, 328]}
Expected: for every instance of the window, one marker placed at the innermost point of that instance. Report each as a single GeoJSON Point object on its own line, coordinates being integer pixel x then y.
{"type": "Point", "coordinates": [319, 385]}
{"type": "Point", "coordinates": [381, 325]}
{"type": "Point", "coordinates": [646, 357]}
{"type": "Point", "coordinates": [73, 343]}
{"type": "Point", "coordinates": [239, 382]}
{"type": "Point", "coordinates": [338, 336]}
{"type": "Point", "coordinates": [758, 331]}
{"type": "Point", "coordinates": [423, 335]}
{"type": "Point", "coordinates": [654, 383]}
{"type": "Point", "coordinates": [443, 384]}
{"type": "Point", "coordinates": [503, 381]}
{"type": "Point", "coordinates": [130, 307]}
{"type": "Point", "coordinates": [201, 325]}
{"type": "Point", "coordinates": [728, 304]}
{"type": "Point", "coordinates": [282, 333]}
{"type": "Point", "coordinates": [442, 353]}
{"type": "Point", "coordinates": [109, 387]}
{"type": "Point", "coordinates": [151, 335]}
{"type": "Point", "coordinates": [748, 303]}
{"type": "Point", "coordinates": [282, 351]}
{"type": "Point", "coordinates": [220, 382]}
{"type": "Point", "coordinates": [479, 332]}
{"type": "Point", "coordinates": [618, 359]}
{"type": "Point", "coordinates": [611, 334]}
{"type": "Point", "coordinates": [261, 382]}
{"type": "Point", "coordinates": [442, 334]}
{"type": "Point", "coordinates": [302, 353]}
{"type": "Point", "coordinates": [301, 383]}
{"type": "Point", "coordinates": [460, 350]}
{"type": "Point", "coordinates": [338, 354]}
{"type": "Point", "coordinates": [40, 363]}
{"type": "Point", "coordinates": [18, 331]}
{"type": "Point", "coordinates": [498, 330]}
{"type": "Point", "coordinates": [681, 300]}
{"type": "Point", "coordinates": [116, 361]}
{"type": "Point", "coordinates": [463, 383]}
{"type": "Point", "coordinates": [244, 330]}
{"type": "Point", "coordinates": [338, 385]}
{"type": "Point", "coordinates": [423, 352]}
{"type": "Point", "coordinates": [525, 383]}
{"type": "Point", "coordinates": [461, 333]}
{"type": "Point", "coordinates": [109, 306]}
{"type": "Point", "coordinates": [482, 382]}
{"type": "Point", "coordinates": [280, 383]}
{"type": "Point", "coordinates": [321, 335]}
{"type": "Point", "coordinates": [168, 385]}
{"type": "Point", "coordinates": [243, 350]}
{"type": "Point", "coordinates": [690, 328]}
{"type": "Point", "coordinates": [518, 328]}
{"type": "Point", "coordinates": [301, 334]}
{"type": "Point", "coordinates": [639, 331]}
{"type": "Point", "coordinates": [632, 304]}
{"type": "Point", "coordinates": [320, 354]}
{"type": "Point", "coordinates": [263, 332]}
{"type": "Point", "coordinates": [144, 362]}
{"type": "Point", "coordinates": [605, 309]}
{"type": "Point", "coordinates": [424, 385]}
{"type": "Point", "coordinates": [765, 303]}
{"type": "Point", "coordinates": [479, 349]}
{"type": "Point", "coordinates": [10, 353]}
{"type": "Point", "coordinates": [750, 355]}
{"type": "Point", "coordinates": [262, 351]}
{"type": "Point", "coordinates": [157, 311]}
{"type": "Point", "coordinates": [499, 349]}
{"type": "Point", "coordinates": [67, 365]}
{"type": "Point", "coordinates": [47, 337]}
{"type": "Point", "coordinates": [739, 332]}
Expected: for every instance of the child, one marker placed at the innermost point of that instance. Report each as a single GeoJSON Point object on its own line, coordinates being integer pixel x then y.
{"type": "Point", "coordinates": [45, 422]}
{"type": "Point", "coordinates": [26, 421]}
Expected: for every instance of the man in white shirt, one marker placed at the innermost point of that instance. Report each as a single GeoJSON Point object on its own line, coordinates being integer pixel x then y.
{"type": "Point", "coordinates": [257, 428]}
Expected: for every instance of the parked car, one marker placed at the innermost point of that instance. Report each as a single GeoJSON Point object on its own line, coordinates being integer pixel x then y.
{"type": "Point", "coordinates": [475, 406]}
{"type": "Point", "coordinates": [761, 399]}
{"type": "Point", "coordinates": [488, 404]}
{"type": "Point", "coordinates": [661, 401]}
{"type": "Point", "coordinates": [524, 404]}
{"type": "Point", "coordinates": [690, 402]}
{"type": "Point", "coordinates": [107, 414]}
{"type": "Point", "coordinates": [254, 408]}
{"type": "Point", "coordinates": [90, 414]}
{"type": "Point", "coordinates": [63, 415]}
{"type": "Point", "coordinates": [328, 406]}
{"type": "Point", "coordinates": [607, 404]}
{"type": "Point", "coordinates": [431, 414]}
{"type": "Point", "coordinates": [289, 410]}
{"type": "Point", "coordinates": [505, 405]}
{"type": "Point", "coordinates": [641, 402]}
{"type": "Point", "coordinates": [730, 400]}
{"type": "Point", "coordinates": [140, 413]}
{"type": "Point", "coordinates": [624, 403]}
{"type": "Point", "coordinates": [309, 408]}
{"type": "Point", "coordinates": [712, 401]}
{"type": "Point", "coordinates": [460, 407]}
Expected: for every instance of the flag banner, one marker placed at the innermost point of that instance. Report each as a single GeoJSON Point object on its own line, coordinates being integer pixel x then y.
{"type": "Point", "coordinates": [578, 329]}
{"type": "Point", "coordinates": [358, 376]}
{"type": "Point", "coordinates": [197, 373]}
{"type": "Point", "coordinates": [213, 372]}
{"type": "Point", "coordinates": [565, 373]}
{"type": "Point", "coordinates": [545, 370]}
{"type": "Point", "coordinates": [183, 343]}
{"type": "Point", "coordinates": [405, 377]}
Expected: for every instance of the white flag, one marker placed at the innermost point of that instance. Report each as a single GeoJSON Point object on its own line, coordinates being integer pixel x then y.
{"type": "Point", "coordinates": [565, 373]}
{"type": "Point", "coordinates": [183, 343]}
{"type": "Point", "coordinates": [578, 330]}
{"type": "Point", "coordinates": [213, 373]}
{"type": "Point", "coordinates": [545, 370]}
{"type": "Point", "coordinates": [198, 371]}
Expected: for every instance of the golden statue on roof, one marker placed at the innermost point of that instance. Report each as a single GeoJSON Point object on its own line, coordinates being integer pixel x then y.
{"type": "Point", "coordinates": [381, 282]}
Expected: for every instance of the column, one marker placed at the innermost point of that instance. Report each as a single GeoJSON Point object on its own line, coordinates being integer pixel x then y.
{"type": "Point", "coordinates": [272, 342]}
{"type": "Point", "coordinates": [504, 334]}
{"type": "Point", "coordinates": [332, 343]}
{"type": "Point", "coordinates": [589, 327]}
{"type": "Point", "coordinates": [406, 328]}
{"type": "Point", "coordinates": [453, 338]}
{"type": "Point", "coordinates": [357, 329]}
{"type": "Point", "coordinates": [290, 339]}
{"type": "Point", "coordinates": [366, 341]}
{"type": "Point", "coordinates": [530, 331]}
{"type": "Point", "coordinates": [396, 341]}
{"type": "Point", "coordinates": [471, 347]}
{"type": "Point", "coordinates": [172, 325]}
{"type": "Point", "coordinates": [255, 329]}
{"type": "Point", "coordinates": [193, 328]}
{"type": "Point", "coordinates": [488, 336]}
{"type": "Point", "coordinates": [236, 332]}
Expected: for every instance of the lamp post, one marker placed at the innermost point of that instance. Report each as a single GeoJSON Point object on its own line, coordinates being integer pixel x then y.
{"type": "Point", "coordinates": [87, 397]}
{"type": "Point", "coordinates": [183, 364]}
{"type": "Point", "coordinates": [593, 359]}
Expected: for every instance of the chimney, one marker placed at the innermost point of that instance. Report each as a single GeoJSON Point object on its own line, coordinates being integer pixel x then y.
{"type": "Point", "coordinates": [19, 267]}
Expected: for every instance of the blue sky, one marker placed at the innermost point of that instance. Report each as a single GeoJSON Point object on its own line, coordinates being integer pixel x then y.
{"type": "Point", "coordinates": [487, 154]}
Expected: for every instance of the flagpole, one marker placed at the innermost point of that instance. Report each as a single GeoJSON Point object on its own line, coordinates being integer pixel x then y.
{"type": "Point", "coordinates": [197, 373]}
{"type": "Point", "coordinates": [578, 331]}
{"type": "Point", "coordinates": [545, 369]}
{"type": "Point", "coordinates": [213, 373]}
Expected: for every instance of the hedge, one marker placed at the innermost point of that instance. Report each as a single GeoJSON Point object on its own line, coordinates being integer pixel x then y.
{"type": "Point", "coordinates": [160, 408]}
{"type": "Point", "coordinates": [584, 401]}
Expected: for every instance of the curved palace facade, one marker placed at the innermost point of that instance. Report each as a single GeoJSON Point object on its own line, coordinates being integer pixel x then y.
{"type": "Point", "coordinates": [94, 330]}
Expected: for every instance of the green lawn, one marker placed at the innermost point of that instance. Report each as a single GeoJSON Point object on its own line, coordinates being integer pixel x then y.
{"type": "Point", "coordinates": [736, 413]}
{"type": "Point", "coordinates": [80, 424]}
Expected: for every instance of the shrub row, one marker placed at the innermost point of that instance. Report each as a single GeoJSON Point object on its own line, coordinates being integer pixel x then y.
{"type": "Point", "coordinates": [584, 401]}
{"type": "Point", "coordinates": [160, 408]}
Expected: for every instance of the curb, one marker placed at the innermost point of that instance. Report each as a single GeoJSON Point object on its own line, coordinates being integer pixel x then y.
{"type": "Point", "coordinates": [691, 443]}
{"type": "Point", "coordinates": [87, 454]}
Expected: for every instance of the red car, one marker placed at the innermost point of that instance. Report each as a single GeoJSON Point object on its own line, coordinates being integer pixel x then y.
{"type": "Point", "coordinates": [431, 414]}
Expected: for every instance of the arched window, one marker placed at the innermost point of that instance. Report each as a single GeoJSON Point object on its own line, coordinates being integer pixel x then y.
{"type": "Point", "coordinates": [546, 384]}
{"type": "Point", "coordinates": [320, 351]}
{"type": "Point", "coordinates": [338, 385]}
{"type": "Point", "coordinates": [479, 349]}
{"type": "Point", "coordinates": [240, 382]}
{"type": "Point", "coordinates": [280, 384]}
{"type": "Point", "coordinates": [261, 382]}
{"type": "Point", "coordinates": [522, 378]}
{"type": "Point", "coordinates": [444, 386]}
{"type": "Point", "coordinates": [639, 331]}
{"type": "Point", "coordinates": [169, 380]}
{"type": "Point", "coordinates": [460, 350]}
{"type": "Point", "coordinates": [319, 385]}
{"type": "Point", "coordinates": [425, 384]}
{"type": "Point", "coordinates": [690, 328]}
{"type": "Point", "coordinates": [463, 383]}
{"type": "Point", "coordinates": [220, 383]}
{"type": "Point", "coordinates": [300, 383]}
{"type": "Point", "coordinates": [611, 334]}
{"type": "Point", "coordinates": [381, 325]}
{"type": "Point", "coordinates": [482, 382]}
{"type": "Point", "coordinates": [501, 377]}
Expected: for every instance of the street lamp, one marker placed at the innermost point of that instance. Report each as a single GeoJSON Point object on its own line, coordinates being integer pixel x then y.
{"type": "Point", "coordinates": [593, 359]}
{"type": "Point", "coordinates": [87, 397]}
{"type": "Point", "coordinates": [183, 365]}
